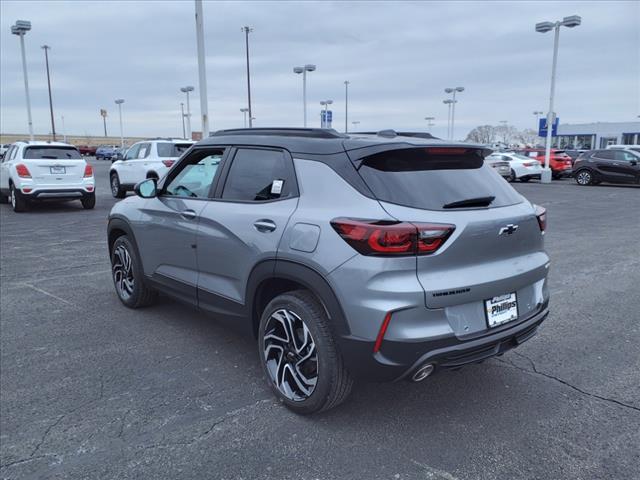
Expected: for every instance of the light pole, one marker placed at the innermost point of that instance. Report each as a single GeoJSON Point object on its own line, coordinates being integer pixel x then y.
{"type": "Point", "coordinates": [244, 112]}
{"type": "Point", "coordinates": [46, 49]}
{"type": "Point", "coordinates": [184, 133]}
{"type": "Point", "coordinates": [119, 102]}
{"type": "Point", "coordinates": [246, 31]}
{"type": "Point", "coordinates": [346, 106]}
{"type": "Point", "coordinates": [544, 27]}
{"type": "Point", "coordinates": [20, 28]}
{"type": "Point", "coordinates": [429, 121]}
{"type": "Point", "coordinates": [186, 90]}
{"type": "Point", "coordinates": [448, 102]}
{"type": "Point", "coordinates": [325, 104]}
{"type": "Point", "coordinates": [103, 114]}
{"type": "Point", "coordinates": [355, 123]}
{"type": "Point", "coordinates": [303, 71]}
{"type": "Point", "coordinates": [453, 107]}
{"type": "Point", "coordinates": [202, 73]}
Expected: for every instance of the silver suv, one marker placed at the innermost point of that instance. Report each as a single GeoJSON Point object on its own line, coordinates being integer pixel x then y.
{"type": "Point", "coordinates": [378, 257]}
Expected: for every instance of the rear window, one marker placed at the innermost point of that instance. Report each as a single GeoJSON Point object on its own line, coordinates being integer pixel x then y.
{"type": "Point", "coordinates": [58, 153]}
{"type": "Point", "coordinates": [172, 149]}
{"type": "Point", "coordinates": [421, 179]}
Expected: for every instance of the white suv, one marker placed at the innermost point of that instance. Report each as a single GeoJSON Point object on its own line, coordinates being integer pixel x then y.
{"type": "Point", "coordinates": [45, 170]}
{"type": "Point", "coordinates": [147, 159]}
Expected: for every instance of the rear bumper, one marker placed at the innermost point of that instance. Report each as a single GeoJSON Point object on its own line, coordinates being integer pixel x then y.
{"type": "Point", "coordinates": [58, 194]}
{"type": "Point", "coordinates": [399, 360]}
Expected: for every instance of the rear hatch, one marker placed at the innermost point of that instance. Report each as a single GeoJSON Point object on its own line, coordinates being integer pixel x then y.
{"type": "Point", "coordinates": [495, 243]}
{"type": "Point", "coordinates": [169, 152]}
{"type": "Point", "coordinates": [54, 165]}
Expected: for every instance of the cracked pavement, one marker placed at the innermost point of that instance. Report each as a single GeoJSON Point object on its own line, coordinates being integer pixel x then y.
{"type": "Point", "coordinates": [89, 389]}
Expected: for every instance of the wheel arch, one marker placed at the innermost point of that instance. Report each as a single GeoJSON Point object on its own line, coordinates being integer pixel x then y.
{"type": "Point", "coordinates": [274, 277]}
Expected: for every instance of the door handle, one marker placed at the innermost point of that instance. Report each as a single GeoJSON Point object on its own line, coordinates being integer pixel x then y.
{"type": "Point", "coordinates": [188, 214]}
{"type": "Point", "coordinates": [264, 225]}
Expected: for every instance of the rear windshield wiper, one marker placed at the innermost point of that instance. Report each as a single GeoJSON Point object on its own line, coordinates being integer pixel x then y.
{"type": "Point", "coordinates": [470, 202]}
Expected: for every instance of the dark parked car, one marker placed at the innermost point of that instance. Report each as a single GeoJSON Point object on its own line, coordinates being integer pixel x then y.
{"type": "Point", "coordinates": [105, 152]}
{"type": "Point", "coordinates": [613, 166]}
{"type": "Point", "coordinates": [87, 150]}
{"type": "Point", "coordinates": [376, 257]}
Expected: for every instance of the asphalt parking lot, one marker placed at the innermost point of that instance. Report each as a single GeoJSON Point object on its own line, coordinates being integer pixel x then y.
{"type": "Point", "coordinates": [89, 389]}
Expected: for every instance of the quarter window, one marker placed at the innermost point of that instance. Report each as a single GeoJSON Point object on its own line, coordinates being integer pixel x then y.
{"type": "Point", "coordinates": [605, 154]}
{"type": "Point", "coordinates": [259, 175]}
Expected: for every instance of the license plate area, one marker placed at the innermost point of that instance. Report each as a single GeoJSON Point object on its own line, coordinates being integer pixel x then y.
{"type": "Point", "coordinates": [58, 170]}
{"type": "Point", "coordinates": [501, 309]}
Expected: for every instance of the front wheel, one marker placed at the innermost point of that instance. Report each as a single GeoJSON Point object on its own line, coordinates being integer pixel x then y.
{"type": "Point", "coordinates": [116, 189]}
{"type": "Point", "coordinates": [299, 355]}
{"type": "Point", "coordinates": [584, 177]}
{"type": "Point", "coordinates": [128, 276]}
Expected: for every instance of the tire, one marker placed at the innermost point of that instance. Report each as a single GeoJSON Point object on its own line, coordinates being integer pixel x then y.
{"type": "Point", "coordinates": [128, 276]}
{"type": "Point", "coordinates": [116, 189]}
{"type": "Point", "coordinates": [18, 202]}
{"type": "Point", "coordinates": [89, 201]}
{"type": "Point", "coordinates": [512, 176]}
{"type": "Point", "coordinates": [524, 179]}
{"type": "Point", "coordinates": [584, 177]}
{"type": "Point", "coordinates": [323, 380]}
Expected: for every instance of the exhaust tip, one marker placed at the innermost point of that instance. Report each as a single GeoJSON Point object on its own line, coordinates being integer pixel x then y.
{"type": "Point", "coordinates": [423, 372]}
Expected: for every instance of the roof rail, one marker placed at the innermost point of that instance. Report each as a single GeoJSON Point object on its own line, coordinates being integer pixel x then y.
{"type": "Point", "coordinates": [291, 132]}
{"type": "Point", "coordinates": [390, 133]}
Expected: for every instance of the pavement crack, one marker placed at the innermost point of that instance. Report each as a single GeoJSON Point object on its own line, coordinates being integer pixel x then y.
{"type": "Point", "coordinates": [22, 460]}
{"type": "Point", "coordinates": [535, 371]}
{"type": "Point", "coordinates": [44, 435]}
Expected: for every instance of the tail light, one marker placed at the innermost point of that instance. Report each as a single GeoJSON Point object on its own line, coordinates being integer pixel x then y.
{"type": "Point", "coordinates": [168, 163]}
{"type": "Point", "coordinates": [541, 215]}
{"type": "Point", "coordinates": [386, 238]}
{"type": "Point", "coordinates": [23, 171]}
{"type": "Point", "coordinates": [530, 164]}
{"type": "Point", "coordinates": [88, 171]}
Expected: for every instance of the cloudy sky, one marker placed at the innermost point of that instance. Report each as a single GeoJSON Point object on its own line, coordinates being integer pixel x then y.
{"type": "Point", "coordinates": [398, 56]}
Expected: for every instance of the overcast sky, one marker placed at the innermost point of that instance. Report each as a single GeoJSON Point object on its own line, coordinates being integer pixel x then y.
{"type": "Point", "coordinates": [398, 56]}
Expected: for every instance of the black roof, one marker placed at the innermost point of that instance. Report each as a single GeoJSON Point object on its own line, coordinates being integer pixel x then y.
{"type": "Point", "coordinates": [325, 141]}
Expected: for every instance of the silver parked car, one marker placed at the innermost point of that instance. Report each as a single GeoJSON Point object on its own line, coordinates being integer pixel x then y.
{"type": "Point", "coordinates": [376, 257]}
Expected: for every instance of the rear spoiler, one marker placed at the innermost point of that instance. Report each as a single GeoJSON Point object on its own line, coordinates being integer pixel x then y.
{"type": "Point", "coordinates": [357, 155]}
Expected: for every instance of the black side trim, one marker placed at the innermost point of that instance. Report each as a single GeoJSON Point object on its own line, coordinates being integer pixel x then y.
{"type": "Point", "coordinates": [174, 288]}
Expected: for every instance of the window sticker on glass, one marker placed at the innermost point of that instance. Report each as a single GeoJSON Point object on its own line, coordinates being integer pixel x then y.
{"type": "Point", "coordinates": [142, 153]}
{"type": "Point", "coordinates": [276, 187]}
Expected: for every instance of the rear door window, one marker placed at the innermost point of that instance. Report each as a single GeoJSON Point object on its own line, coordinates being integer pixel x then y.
{"type": "Point", "coordinates": [421, 179]}
{"type": "Point", "coordinates": [53, 153]}
{"type": "Point", "coordinates": [259, 175]}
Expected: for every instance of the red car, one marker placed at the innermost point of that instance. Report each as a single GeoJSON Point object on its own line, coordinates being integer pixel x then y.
{"type": "Point", "coordinates": [560, 162]}
{"type": "Point", "coordinates": [87, 150]}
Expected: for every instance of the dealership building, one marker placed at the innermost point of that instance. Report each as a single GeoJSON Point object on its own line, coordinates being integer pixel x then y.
{"type": "Point", "coordinates": [598, 135]}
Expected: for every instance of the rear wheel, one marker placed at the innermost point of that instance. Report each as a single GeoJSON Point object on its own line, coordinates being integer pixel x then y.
{"type": "Point", "coordinates": [299, 356]}
{"type": "Point", "coordinates": [128, 277]}
{"type": "Point", "coordinates": [116, 189]}
{"type": "Point", "coordinates": [584, 177]}
{"type": "Point", "coordinates": [89, 201]}
{"type": "Point", "coordinates": [18, 202]}
{"type": "Point", "coordinates": [512, 176]}
{"type": "Point", "coordinates": [524, 179]}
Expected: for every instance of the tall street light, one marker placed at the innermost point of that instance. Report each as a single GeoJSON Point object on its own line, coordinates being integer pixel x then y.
{"type": "Point", "coordinates": [325, 104]}
{"type": "Point", "coordinates": [303, 71]}
{"type": "Point", "coordinates": [119, 102]}
{"type": "Point", "coordinates": [355, 123]}
{"type": "Point", "coordinates": [544, 27]}
{"type": "Point", "coordinates": [246, 31]}
{"type": "Point", "coordinates": [430, 121]}
{"type": "Point", "coordinates": [184, 132]}
{"type": "Point", "coordinates": [346, 106]}
{"type": "Point", "coordinates": [186, 90]}
{"type": "Point", "coordinates": [448, 102]}
{"type": "Point", "coordinates": [46, 49]}
{"type": "Point", "coordinates": [244, 113]}
{"type": "Point", "coordinates": [20, 28]}
{"type": "Point", "coordinates": [202, 73]}
{"type": "Point", "coordinates": [453, 108]}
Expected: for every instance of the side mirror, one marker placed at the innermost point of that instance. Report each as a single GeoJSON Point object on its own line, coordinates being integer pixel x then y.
{"type": "Point", "coordinates": [146, 189]}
